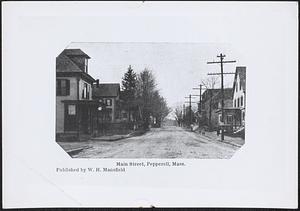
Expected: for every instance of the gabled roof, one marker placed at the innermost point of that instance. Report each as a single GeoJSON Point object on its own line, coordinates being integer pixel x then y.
{"type": "Point", "coordinates": [106, 90]}
{"type": "Point", "coordinates": [241, 72]}
{"type": "Point", "coordinates": [215, 94]}
{"type": "Point", "coordinates": [75, 52]}
{"type": "Point", "coordinates": [227, 94]}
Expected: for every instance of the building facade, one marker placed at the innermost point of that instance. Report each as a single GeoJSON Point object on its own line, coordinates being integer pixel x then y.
{"type": "Point", "coordinates": [239, 94]}
{"type": "Point", "coordinates": [74, 105]}
{"type": "Point", "coordinates": [211, 103]}
{"type": "Point", "coordinates": [234, 117]}
{"type": "Point", "coordinates": [109, 94]}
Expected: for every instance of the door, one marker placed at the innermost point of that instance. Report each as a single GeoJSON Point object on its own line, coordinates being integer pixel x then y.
{"type": "Point", "coordinates": [85, 120]}
{"type": "Point", "coordinates": [70, 117]}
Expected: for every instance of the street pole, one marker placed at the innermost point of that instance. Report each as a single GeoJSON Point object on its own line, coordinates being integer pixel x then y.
{"type": "Point", "coordinates": [200, 97]}
{"type": "Point", "coordinates": [183, 118]}
{"type": "Point", "coordinates": [190, 108]}
{"type": "Point", "coordinates": [222, 96]}
{"type": "Point", "coordinates": [221, 56]}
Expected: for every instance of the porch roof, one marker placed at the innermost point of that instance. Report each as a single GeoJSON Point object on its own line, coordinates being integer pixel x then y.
{"type": "Point", "coordinates": [82, 102]}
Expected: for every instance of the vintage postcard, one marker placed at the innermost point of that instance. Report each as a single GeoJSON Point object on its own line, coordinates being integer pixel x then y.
{"type": "Point", "coordinates": [150, 104]}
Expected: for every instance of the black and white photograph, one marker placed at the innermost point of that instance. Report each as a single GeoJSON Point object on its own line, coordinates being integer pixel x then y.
{"type": "Point", "coordinates": [149, 104]}
{"type": "Point", "coordinates": [149, 100]}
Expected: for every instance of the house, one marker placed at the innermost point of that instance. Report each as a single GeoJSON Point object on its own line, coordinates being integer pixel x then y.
{"type": "Point", "coordinates": [75, 109]}
{"type": "Point", "coordinates": [234, 117]}
{"type": "Point", "coordinates": [111, 116]}
{"type": "Point", "coordinates": [109, 94]}
{"type": "Point", "coordinates": [239, 95]}
{"type": "Point", "coordinates": [211, 103]}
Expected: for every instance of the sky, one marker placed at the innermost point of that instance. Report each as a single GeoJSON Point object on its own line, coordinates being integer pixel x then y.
{"type": "Point", "coordinates": [177, 67]}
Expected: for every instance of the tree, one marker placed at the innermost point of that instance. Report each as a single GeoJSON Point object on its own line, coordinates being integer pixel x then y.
{"type": "Point", "coordinates": [149, 101]}
{"type": "Point", "coordinates": [159, 108]}
{"type": "Point", "coordinates": [178, 115]}
{"type": "Point", "coordinates": [129, 83]}
{"type": "Point", "coordinates": [145, 88]}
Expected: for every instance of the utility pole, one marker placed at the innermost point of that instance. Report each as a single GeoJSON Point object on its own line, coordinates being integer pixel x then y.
{"type": "Point", "coordinates": [200, 99]}
{"type": "Point", "coordinates": [221, 56]}
{"type": "Point", "coordinates": [183, 116]}
{"type": "Point", "coordinates": [190, 107]}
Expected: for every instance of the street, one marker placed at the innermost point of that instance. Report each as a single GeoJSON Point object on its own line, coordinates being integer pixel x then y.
{"type": "Point", "coordinates": [165, 142]}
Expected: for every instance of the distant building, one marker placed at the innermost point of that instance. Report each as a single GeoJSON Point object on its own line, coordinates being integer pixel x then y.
{"type": "Point", "coordinates": [211, 103]}
{"type": "Point", "coordinates": [75, 109]}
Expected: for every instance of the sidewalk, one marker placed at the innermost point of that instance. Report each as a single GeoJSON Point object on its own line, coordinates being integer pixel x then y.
{"type": "Point", "coordinates": [235, 141]}
{"type": "Point", "coordinates": [75, 147]}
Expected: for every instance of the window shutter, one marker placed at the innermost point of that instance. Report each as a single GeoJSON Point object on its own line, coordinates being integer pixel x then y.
{"type": "Point", "coordinates": [67, 87]}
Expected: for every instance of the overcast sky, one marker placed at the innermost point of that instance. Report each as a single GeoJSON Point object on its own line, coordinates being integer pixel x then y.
{"type": "Point", "coordinates": [178, 67]}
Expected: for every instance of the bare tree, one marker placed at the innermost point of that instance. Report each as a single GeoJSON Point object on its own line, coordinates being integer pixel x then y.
{"type": "Point", "coordinates": [178, 115]}
{"type": "Point", "coordinates": [210, 82]}
{"type": "Point", "coordinates": [150, 102]}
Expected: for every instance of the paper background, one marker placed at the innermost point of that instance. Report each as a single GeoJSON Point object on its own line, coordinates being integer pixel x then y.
{"type": "Point", "coordinates": [262, 174]}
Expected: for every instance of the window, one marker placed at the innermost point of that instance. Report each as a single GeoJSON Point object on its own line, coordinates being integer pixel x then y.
{"type": "Point", "coordinates": [220, 118]}
{"type": "Point", "coordinates": [71, 110]}
{"type": "Point", "coordinates": [85, 65]}
{"type": "Point", "coordinates": [236, 86]}
{"type": "Point", "coordinates": [125, 115]}
{"type": "Point", "coordinates": [62, 87]}
{"type": "Point", "coordinates": [241, 100]}
{"type": "Point", "coordinates": [85, 91]}
{"type": "Point", "coordinates": [243, 115]}
{"type": "Point", "coordinates": [229, 119]}
{"type": "Point", "coordinates": [108, 102]}
{"type": "Point", "coordinates": [88, 92]}
{"type": "Point", "coordinates": [238, 102]}
{"type": "Point", "coordinates": [235, 103]}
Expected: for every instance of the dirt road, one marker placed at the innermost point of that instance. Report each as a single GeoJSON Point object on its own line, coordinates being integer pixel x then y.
{"type": "Point", "coordinates": [166, 142]}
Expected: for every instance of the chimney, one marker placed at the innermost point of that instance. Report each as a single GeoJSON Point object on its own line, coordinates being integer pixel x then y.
{"type": "Point", "coordinates": [97, 83]}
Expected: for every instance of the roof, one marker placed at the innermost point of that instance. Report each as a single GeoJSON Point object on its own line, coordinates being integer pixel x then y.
{"type": "Point", "coordinates": [106, 90]}
{"type": "Point", "coordinates": [65, 64]}
{"type": "Point", "coordinates": [75, 52]}
{"type": "Point", "coordinates": [215, 94]}
{"type": "Point", "coordinates": [241, 71]}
